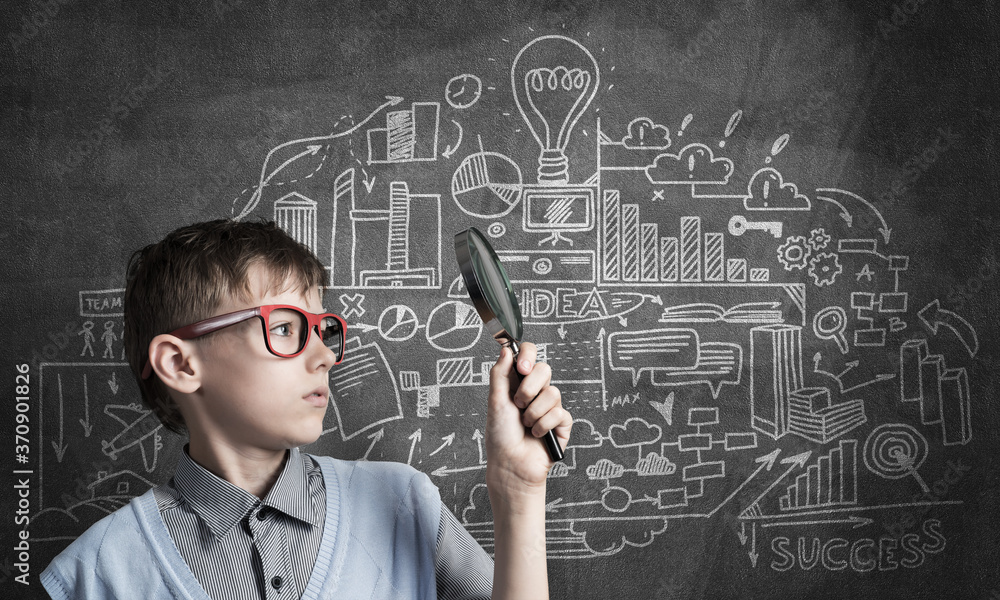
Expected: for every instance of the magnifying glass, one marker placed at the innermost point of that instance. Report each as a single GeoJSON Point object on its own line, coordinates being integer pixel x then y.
{"type": "Point", "coordinates": [494, 299]}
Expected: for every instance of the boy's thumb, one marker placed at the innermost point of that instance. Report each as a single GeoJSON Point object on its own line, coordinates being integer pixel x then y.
{"type": "Point", "coordinates": [500, 374]}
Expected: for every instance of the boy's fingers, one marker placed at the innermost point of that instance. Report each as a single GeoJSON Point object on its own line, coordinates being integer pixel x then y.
{"type": "Point", "coordinates": [526, 358]}
{"type": "Point", "coordinates": [532, 384]}
{"type": "Point", "coordinates": [557, 417]}
{"type": "Point", "coordinates": [545, 401]}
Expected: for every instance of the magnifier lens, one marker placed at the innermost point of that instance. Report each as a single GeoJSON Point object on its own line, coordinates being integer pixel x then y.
{"type": "Point", "coordinates": [495, 286]}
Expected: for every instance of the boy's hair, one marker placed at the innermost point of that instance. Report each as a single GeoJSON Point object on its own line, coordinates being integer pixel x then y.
{"type": "Point", "coordinates": [185, 277]}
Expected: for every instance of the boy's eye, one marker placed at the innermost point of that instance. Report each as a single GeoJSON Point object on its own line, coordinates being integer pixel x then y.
{"type": "Point", "coordinates": [281, 329]}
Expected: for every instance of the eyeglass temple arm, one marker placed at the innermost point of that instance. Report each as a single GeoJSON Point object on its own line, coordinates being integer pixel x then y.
{"type": "Point", "coordinates": [204, 327]}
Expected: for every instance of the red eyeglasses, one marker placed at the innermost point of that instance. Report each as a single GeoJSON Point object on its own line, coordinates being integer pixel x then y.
{"type": "Point", "coordinates": [286, 330]}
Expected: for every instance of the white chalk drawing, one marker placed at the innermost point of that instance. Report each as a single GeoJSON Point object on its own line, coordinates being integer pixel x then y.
{"type": "Point", "coordinates": [941, 393]}
{"type": "Point", "coordinates": [140, 428]}
{"type": "Point", "coordinates": [738, 225]}
{"type": "Point", "coordinates": [692, 164]}
{"type": "Point", "coordinates": [676, 356]}
{"type": "Point", "coordinates": [829, 324]}
{"type": "Point", "coordinates": [767, 191]}
{"type": "Point", "coordinates": [557, 210]}
{"type": "Point", "coordinates": [486, 185]}
{"type": "Point", "coordinates": [363, 390]}
{"type": "Point", "coordinates": [398, 323]}
{"type": "Point", "coordinates": [630, 253]}
{"type": "Point", "coordinates": [453, 326]}
{"type": "Point", "coordinates": [462, 91]}
{"type": "Point", "coordinates": [409, 135]}
{"type": "Point", "coordinates": [933, 316]}
{"type": "Point", "coordinates": [554, 79]}
{"type": "Point", "coordinates": [895, 451]}
{"type": "Point", "coordinates": [401, 267]}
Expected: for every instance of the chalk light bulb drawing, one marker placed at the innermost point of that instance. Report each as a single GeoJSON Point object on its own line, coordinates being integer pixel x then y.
{"type": "Point", "coordinates": [554, 79]}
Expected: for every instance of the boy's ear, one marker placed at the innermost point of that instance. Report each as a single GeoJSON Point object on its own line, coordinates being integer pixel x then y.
{"type": "Point", "coordinates": [175, 363]}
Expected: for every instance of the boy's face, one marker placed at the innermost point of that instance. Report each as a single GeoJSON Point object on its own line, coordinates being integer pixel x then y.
{"type": "Point", "coordinates": [251, 399]}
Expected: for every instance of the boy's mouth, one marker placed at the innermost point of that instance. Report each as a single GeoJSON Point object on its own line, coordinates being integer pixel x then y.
{"type": "Point", "coordinates": [318, 396]}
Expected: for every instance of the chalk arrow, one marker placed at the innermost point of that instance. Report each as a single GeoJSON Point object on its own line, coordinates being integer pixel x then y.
{"type": "Point", "coordinates": [369, 183]}
{"type": "Point", "coordinates": [444, 471]}
{"type": "Point", "coordinates": [766, 462]}
{"type": "Point", "coordinates": [561, 331]}
{"type": "Point", "coordinates": [309, 151]}
{"type": "Point", "coordinates": [449, 150]}
{"type": "Point", "coordinates": [59, 446]}
{"type": "Point", "coordinates": [846, 216]}
{"type": "Point", "coordinates": [364, 327]}
{"type": "Point", "coordinates": [556, 504]}
{"type": "Point", "coordinates": [390, 101]}
{"type": "Point", "coordinates": [753, 554]}
{"type": "Point", "coordinates": [798, 460]}
{"type": "Point", "coordinates": [112, 383]}
{"type": "Point", "coordinates": [933, 315]}
{"type": "Point", "coordinates": [448, 439]}
{"type": "Point", "coordinates": [478, 436]}
{"type": "Point", "coordinates": [415, 437]}
{"type": "Point", "coordinates": [85, 421]}
{"type": "Point", "coordinates": [856, 520]}
{"type": "Point", "coordinates": [884, 229]}
{"type": "Point", "coordinates": [743, 533]}
{"type": "Point", "coordinates": [375, 437]}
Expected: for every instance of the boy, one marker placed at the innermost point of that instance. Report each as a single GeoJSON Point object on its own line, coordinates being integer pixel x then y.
{"type": "Point", "coordinates": [228, 339]}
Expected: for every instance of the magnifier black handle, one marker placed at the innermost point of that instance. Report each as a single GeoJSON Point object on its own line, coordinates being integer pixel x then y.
{"type": "Point", "coordinates": [549, 439]}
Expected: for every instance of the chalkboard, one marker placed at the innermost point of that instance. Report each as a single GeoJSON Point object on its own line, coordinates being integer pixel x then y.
{"type": "Point", "coordinates": [755, 241]}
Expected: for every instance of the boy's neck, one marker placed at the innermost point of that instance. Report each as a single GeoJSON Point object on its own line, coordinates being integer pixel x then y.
{"type": "Point", "coordinates": [252, 470]}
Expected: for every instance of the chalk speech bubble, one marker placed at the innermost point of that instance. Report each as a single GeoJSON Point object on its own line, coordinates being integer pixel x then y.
{"type": "Point", "coordinates": [719, 363]}
{"type": "Point", "coordinates": [667, 349]}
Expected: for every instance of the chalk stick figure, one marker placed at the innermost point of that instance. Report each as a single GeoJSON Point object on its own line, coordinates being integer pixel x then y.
{"type": "Point", "coordinates": [108, 337]}
{"type": "Point", "coordinates": [88, 337]}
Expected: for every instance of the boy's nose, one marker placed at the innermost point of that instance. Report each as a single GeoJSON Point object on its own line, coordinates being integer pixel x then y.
{"type": "Point", "coordinates": [318, 351]}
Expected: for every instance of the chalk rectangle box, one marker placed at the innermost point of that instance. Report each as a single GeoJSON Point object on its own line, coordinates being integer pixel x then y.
{"type": "Point", "coordinates": [695, 441]}
{"type": "Point", "coordinates": [705, 470]}
{"type": "Point", "coordinates": [549, 266]}
{"type": "Point", "coordinates": [956, 409]}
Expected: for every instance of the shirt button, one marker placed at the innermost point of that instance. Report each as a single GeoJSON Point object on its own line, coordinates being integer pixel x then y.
{"type": "Point", "coordinates": [262, 514]}
{"type": "Point", "coordinates": [276, 582]}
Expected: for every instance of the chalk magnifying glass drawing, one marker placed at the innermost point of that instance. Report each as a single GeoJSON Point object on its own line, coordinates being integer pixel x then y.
{"type": "Point", "coordinates": [829, 324]}
{"type": "Point", "coordinates": [493, 296]}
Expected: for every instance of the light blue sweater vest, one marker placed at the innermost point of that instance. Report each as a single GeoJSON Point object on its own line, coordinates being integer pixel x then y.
{"type": "Point", "coordinates": [379, 541]}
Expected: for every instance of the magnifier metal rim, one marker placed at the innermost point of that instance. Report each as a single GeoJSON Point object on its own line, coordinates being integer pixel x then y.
{"type": "Point", "coordinates": [463, 253]}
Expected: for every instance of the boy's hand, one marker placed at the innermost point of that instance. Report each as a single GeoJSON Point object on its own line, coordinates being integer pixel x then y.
{"type": "Point", "coordinates": [517, 461]}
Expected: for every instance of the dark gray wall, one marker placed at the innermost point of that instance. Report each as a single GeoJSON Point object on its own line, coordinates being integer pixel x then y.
{"type": "Point", "coordinates": [690, 475]}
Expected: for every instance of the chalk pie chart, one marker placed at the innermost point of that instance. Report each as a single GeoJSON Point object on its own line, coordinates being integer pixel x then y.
{"type": "Point", "coordinates": [487, 185]}
{"type": "Point", "coordinates": [397, 323]}
{"type": "Point", "coordinates": [453, 326]}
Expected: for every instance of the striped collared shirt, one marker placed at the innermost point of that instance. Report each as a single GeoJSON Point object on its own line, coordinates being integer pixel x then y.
{"type": "Point", "coordinates": [239, 546]}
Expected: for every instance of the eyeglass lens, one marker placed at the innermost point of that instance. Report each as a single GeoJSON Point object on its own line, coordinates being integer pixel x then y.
{"type": "Point", "coordinates": [288, 332]}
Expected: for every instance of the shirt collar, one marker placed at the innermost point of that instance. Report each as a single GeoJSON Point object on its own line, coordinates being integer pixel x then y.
{"type": "Point", "coordinates": [221, 505]}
